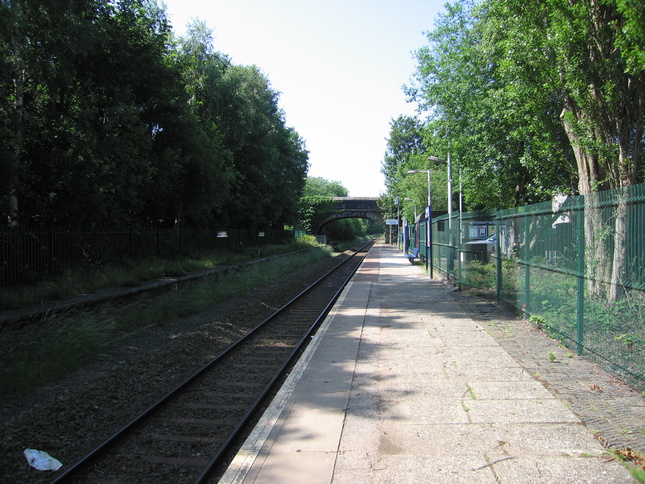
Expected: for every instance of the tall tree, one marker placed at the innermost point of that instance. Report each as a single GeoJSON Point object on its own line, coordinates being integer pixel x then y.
{"type": "Point", "coordinates": [269, 159]}
{"type": "Point", "coordinates": [104, 119]}
{"type": "Point", "coordinates": [84, 120]}
{"type": "Point", "coordinates": [509, 149]}
{"type": "Point", "coordinates": [321, 187]}
{"type": "Point", "coordinates": [405, 141]}
{"type": "Point", "coordinates": [266, 161]}
{"type": "Point", "coordinates": [12, 84]}
{"type": "Point", "coordinates": [573, 53]}
{"type": "Point", "coordinates": [533, 98]}
{"type": "Point", "coordinates": [587, 56]}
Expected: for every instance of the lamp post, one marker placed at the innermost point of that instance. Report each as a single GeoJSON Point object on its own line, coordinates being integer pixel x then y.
{"type": "Point", "coordinates": [446, 162]}
{"type": "Point", "coordinates": [450, 234]}
{"type": "Point", "coordinates": [428, 222]}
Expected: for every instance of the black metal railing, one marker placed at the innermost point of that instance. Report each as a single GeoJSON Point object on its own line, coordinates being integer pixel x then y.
{"type": "Point", "coordinates": [29, 253]}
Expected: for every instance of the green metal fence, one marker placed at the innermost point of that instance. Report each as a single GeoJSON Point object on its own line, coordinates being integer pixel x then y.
{"type": "Point", "coordinates": [574, 266]}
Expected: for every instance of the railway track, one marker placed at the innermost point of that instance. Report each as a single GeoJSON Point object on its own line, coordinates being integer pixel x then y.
{"type": "Point", "coordinates": [189, 433]}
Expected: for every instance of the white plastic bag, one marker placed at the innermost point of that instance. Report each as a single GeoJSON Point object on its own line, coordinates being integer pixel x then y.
{"type": "Point", "coordinates": [41, 460]}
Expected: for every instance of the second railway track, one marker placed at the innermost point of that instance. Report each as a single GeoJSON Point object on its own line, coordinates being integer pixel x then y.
{"type": "Point", "coordinates": [188, 433]}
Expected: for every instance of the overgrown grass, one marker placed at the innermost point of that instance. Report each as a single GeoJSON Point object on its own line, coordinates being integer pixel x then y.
{"type": "Point", "coordinates": [478, 275]}
{"type": "Point", "coordinates": [47, 350]}
{"type": "Point", "coordinates": [130, 274]}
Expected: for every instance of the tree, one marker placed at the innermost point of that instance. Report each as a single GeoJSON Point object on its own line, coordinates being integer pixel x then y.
{"type": "Point", "coordinates": [406, 150]}
{"type": "Point", "coordinates": [270, 161]}
{"type": "Point", "coordinates": [538, 98]}
{"type": "Point", "coordinates": [266, 161]}
{"type": "Point", "coordinates": [586, 56]}
{"type": "Point", "coordinates": [104, 119]}
{"type": "Point", "coordinates": [573, 53]}
{"type": "Point", "coordinates": [509, 149]}
{"type": "Point", "coordinates": [320, 187]}
{"type": "Point", "coordinates": [405, 141]}
{"type": "Point", "coordinates": [85, 120]}
{"type": "Point", "coordinates": [12, 85]}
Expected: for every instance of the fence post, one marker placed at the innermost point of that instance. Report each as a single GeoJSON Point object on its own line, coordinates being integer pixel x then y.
{"type": "Point", "coordinates": [50, 250]}
{"type": "Point", "coordinates": [459, 249]}
{"type": "Point", "coordinates": [97, 243]}
{"type": "Point", "coordinates": [580, 254]}
{"type": "Point", "coordinates": [527, 268]}
{"type": "Point", "coordinates": [498, 262]}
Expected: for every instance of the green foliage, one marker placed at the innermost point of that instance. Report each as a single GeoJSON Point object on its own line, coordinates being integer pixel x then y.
{"type": "Point", "coordinates": [104, 119]}
{"type": "Point", "coordinates": [630, 340]}
{"type": "Point", "coordinates": [346, 230]}
{"type": "Point", "coordinates": [508, 151]}
{"type": "Point", "coordinates": [320, 187]}
{"type": "Point", "coordinates": [269, 159]}
{"type": "Point", "coordinates": [309, 239]}
{"type": "Point", "coordinates": [572, 54]}
{"type": "Point", "coordinates": [405, 142]}
{"type": "Point", "coordinates": [631, 37]}
{"type": "Point", "coordinates": [131, 273]}
{"type": "Point", "coordinates": [36, 354]}
{"type": "Point", "coordinates": [529, 99]}
{"type": "Point", "coordinates": [538, 321]}
{"type": "Point", "coordinates": [479, 275]}
{"type": "Point", "coordinates": [313, 210]}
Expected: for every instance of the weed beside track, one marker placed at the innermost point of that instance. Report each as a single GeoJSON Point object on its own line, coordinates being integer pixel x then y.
{"type": "Point", "coordinates": [70, 415]}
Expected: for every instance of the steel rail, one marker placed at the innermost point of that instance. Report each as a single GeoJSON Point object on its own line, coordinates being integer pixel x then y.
{"type": "Point", "coordinates": [225, 447]}
{"type": "Point", "coordinates": [140, 419]}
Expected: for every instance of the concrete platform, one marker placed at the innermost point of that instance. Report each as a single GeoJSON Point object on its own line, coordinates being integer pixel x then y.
{"type": "Point", "coordinates": [402, 385]}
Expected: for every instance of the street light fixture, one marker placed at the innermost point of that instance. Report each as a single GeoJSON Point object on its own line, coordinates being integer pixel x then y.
{"type": "Point", "coordinates": [415, 207]}
{"type": "Point", "coordinates": [450, 234]}
{"type": "Point", "coordinates": [428, 222]}
{"type": "Point", "coordinates": [436, 159]}
{"type": "Point", "coordinates": [429, 209]}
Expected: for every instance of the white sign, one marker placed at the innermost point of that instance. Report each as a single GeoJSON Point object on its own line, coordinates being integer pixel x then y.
{"type": "Point", "coordinates": [392, 221]}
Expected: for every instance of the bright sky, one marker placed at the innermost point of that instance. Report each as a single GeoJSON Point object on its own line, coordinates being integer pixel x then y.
{"type": "Point", "coordinates": [339, 65]}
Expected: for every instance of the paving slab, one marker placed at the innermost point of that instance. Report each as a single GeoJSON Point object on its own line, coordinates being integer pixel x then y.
{"type": "Point", "coordinates": [403, 384]}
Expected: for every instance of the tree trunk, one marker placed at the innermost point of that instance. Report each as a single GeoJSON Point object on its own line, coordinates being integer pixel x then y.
{"type": "Point", "coordinates": [598, 263]}
{"type": "Point", "coordinates": [619, 266]}
{"type": "Point", "coordinates": [629, 151]}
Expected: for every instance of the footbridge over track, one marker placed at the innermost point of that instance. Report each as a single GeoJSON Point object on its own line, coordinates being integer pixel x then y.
{"type": "Point", "coordinates": [354, 207]}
